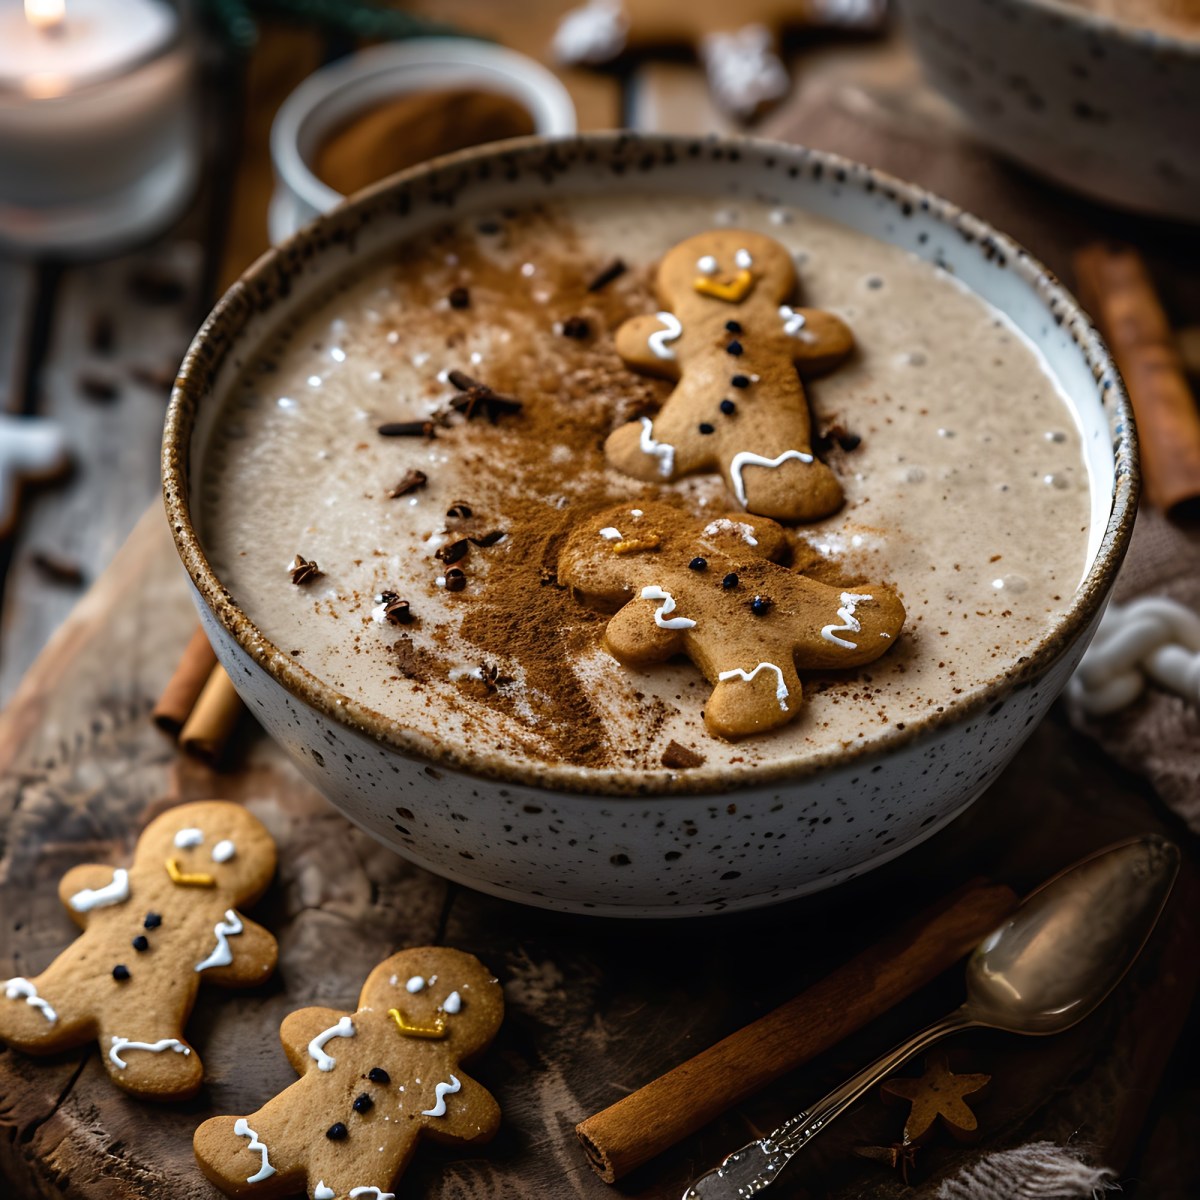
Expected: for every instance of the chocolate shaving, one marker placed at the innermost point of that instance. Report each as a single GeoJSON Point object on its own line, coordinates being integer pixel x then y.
{"type": "Point", "coordinates": [395, 610]}
{"type": "Point", "coordinates": [454, 552]}
{"type": "Point", "coordinates": [98, 388]}
{"type": "Point", "coordinates": [304, 570]}
{"type": "Point", "coordinates": [407, 429]}
{"type": "Point", "coordinates": [576, 327]}
{"type": "Point", "coordinates": [412, 482]}
{"type": "Point", "coordinates": [679, 757]}
{"type": "Point", "coordinates": [460, 298]}
{"type": "Point", "coordinates": [56, 569]}
{"type": "Point", "coordinates": [475, 397]}
{"type": "Point", "coordinates": [488, 539]}
{"type": "Point", "coordinates": [614, 269]}
{"type": "Point", "coordinates": [459, 511]}
{"type": "Point", "coordinates": [455, 580]}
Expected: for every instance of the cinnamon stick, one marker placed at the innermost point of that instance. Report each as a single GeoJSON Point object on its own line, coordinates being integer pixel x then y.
{"type": "Point", "coordinates": [184, 687]}
{"type": "Point", "coordinates": [654, 1118]}
{"type": "Point", "coordinates": [207, 731]}
{"type": "Point", "coordinates": [1116, 288]}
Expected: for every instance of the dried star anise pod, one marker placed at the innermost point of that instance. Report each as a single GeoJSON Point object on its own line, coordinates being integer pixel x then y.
{"type": "Point", "coordinates": [303, 570]}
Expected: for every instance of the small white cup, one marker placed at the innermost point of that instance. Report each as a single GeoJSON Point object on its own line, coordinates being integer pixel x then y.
{"type": "Point", "coordinates": [331, 96]}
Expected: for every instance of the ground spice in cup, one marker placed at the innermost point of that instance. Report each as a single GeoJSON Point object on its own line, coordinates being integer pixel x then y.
{"type": "Point", "coordinates": [412, 128]}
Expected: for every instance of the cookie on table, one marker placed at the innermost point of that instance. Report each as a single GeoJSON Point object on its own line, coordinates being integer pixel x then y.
{"type": "Point", "coordinates": [710, 588]}
{"type": "Point", "coordinates": [730, 338]}
{"type": "Point", "coordinates": [373, 1083]}
{"type": "Point", "coordinates": [152, 934]}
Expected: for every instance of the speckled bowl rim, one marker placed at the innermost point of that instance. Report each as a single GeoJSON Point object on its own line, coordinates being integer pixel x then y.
{"type": "Point", "coordinates": [270, 277]}
{"type": "Point", "coordinates": [1102, 26]}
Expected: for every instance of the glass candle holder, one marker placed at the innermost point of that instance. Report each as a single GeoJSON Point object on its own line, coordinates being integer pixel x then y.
{"type": "Point", "coordinates": [98, 132]}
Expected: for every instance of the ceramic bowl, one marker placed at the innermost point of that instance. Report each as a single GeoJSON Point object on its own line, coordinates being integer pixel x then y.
{"type": "Point", "coordinates": [334, 94]}
{"type": "Point", "coordinates": [607, 842]}
{"type": "Point", "coordinates": [1104, 108]}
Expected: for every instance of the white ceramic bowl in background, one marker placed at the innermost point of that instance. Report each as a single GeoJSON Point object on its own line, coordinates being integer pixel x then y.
{"type": "Point", "coordinates": [331, 96]}
{"type": "Point", "coordinates": [628, 843]}
{"type": "Point", "coordinates": [1104, 108]}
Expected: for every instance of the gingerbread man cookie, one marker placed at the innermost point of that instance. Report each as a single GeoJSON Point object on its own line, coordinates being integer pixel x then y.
{"type": "Point", "coordinates": [730, 338]}
{"type": "Point", "coordinates": [710, 588]}
{"type": "Point", "coordinates": [373, 1082]}
{"type": "Point", "coordinates": [152, 933]}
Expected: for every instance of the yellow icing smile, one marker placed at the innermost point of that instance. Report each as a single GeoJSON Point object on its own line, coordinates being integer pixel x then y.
{"type": "Point", "coordinates": [179, 876]}
{"type": "Point", "coordinates": [731, 291]}
{"type": "Point", "coordinates": [438, 1029]}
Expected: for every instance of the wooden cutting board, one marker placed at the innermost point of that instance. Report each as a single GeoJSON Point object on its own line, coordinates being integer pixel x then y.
{"type": "Point", "coordinates": [596, 1007]}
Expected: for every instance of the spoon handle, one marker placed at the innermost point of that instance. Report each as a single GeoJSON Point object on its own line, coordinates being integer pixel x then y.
{"type": "Point", "coordinates": [755, 1166]}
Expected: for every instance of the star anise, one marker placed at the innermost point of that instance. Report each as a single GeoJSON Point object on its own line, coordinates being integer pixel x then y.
{"type": "Point", "coordinates": [304, 570]}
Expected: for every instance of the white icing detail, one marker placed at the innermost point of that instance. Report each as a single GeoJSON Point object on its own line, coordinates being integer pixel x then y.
{"type": "Point", "coordinates": [187, 838]}
{"type": "Point", "coordinates": [120, 1043]}
{"type": "Point", "coordinates": [746, 459]}
{"type": "Point", "coordinates": [452, 1003]}
{"type": "Point", "coordinates": [725, 525]}
{"type": "Point", "coordinates": [316, 1048]}
{"type": "Point", "coordinates": [112, 893]}
{"type": "Point", "coordinates": [743, 260]}
{"type": "Point", "coordinates": [1151, 639]}
{"type": "Point", "coordinates": [321, 1192]}
{"type": "Point", "coordinates": [665, 609]}
{"type": "Point", "coordinates": [663, 451]}
{"type": "Point", "coordinates": [707, 265]}
{"type": "Point", "coordinates": [223, 851]}
{"type": "Point", "coordinates": [658, 340]}
{"type": "Point", "coordinates": [611, 533]}
{"type": "Point", "coordinates": [793, 321]}
{"type": "Point", "coordinates": [781, 692]}
{"type": "Point", "coordinates": [19, 988]}
{"type": "Point", "coordinates": [373, 1192]}
{"type": "Point", "coordinates": [222, 956]}
{"type": "Point", "coordinates": [744, 72]}
{"type": "Point", "coordinates": [414, 985]}
{"type": "Point", "coordinates": [593, 33]}
{"type": "Point", "coordinates": [850, 600]}
{"type": "Point", "coordinates": [440, 1092]}
{"type": "Point", "coordinates": [636, 512]}
{"type": "Point", "coordinates": [243, 1130]}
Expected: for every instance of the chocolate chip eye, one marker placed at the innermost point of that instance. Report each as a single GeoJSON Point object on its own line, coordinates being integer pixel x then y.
{"type": "Point", "coordinates": [740, 381]}
{"type": "Point", "coordinates": [363, 1103]}
{"type": "Point", "coordinates": [734, 348]}
{"type": "Point", "coordinates": [378, 1075]}
{"type": "Point", "coordinates": [120, 973]}
{"type": "Point", "coordinates": [730, 581]}
{"type": "Point", "coordinates": [728, 407]}
{"type": "Point", "coordinates": [698, 564]}
{"type": "Point", "coordinates": [705, 427]}
{"type": "Point", "coordinates": [337, 1132]}
{"type": "Point", "coordinates": [733, 326]}
{"type": "Point", "coordinates": [141, 942]}
{"type": "Point", "coordinates": [760, 606]}
{"type": "Point", "coordinates": [153, 921]}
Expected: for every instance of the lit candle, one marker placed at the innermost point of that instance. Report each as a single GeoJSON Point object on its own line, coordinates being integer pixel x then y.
{"type": "Point", "coordinates": [96, 137]}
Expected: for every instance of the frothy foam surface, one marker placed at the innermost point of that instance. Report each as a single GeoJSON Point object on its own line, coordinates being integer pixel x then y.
{"type": "Point", "coordinates": [968, 491]}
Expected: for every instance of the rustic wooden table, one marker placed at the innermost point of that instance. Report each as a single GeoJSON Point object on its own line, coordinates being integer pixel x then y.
{"type": "Point", "coordinates": [596, 1008]}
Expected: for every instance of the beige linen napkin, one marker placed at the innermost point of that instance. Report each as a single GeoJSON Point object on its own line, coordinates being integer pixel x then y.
{"type": "Point", "coordinates": [1158, 735]}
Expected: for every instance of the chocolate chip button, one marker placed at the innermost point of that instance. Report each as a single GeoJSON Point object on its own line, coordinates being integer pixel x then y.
{"type": "Point", "coordinates": [733, 326]}
{"type": "Point", "coordinates": [728, 407]}
{"type": "Point", "coordinates": [120, 973]}
{"type": "Point", "coordinates": [378, 1075]}
{"type": "Point", "coordinates": [337, 1132]}
{"type": "Point", "coordinates": [141, 943]}
{"type": "Point", "coordinates": [760, 606]}
{"type": "Point", "coordinates": [152, 921]}
{"type": "Point", "coordinates": [705, 427]}
{"type": "Point", "coordinates": [698, 564]}
{"type": "Point", "coordinates": [740, 381]}
{"type": "Point", "coordinates": [363, 1103]}
{"type": "Point", "coordinates": [730, 581]}
{"type": "Point", "coordinates": [734, 348]}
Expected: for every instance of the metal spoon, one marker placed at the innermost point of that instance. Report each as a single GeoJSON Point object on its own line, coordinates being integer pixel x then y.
{"type": "Point", "coordinates": [1045, 969]}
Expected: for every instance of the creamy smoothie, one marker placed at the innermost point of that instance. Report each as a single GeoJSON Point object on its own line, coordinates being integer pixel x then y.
{"type": "Point", "coordinates": [434, 598]}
